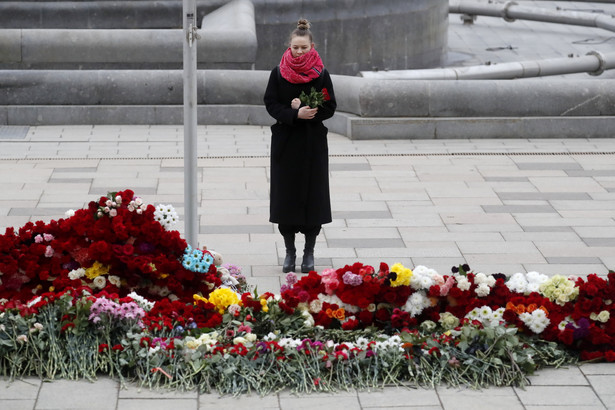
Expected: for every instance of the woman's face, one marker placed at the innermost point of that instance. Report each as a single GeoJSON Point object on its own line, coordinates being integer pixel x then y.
{"type": "Point", "coordinates": [300, 45]}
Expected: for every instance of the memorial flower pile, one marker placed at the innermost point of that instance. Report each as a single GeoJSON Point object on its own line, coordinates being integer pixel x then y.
{"type": "Point", "coordinates": [113, 289]}
{"type": "Point", "coordinates": [118, 244]}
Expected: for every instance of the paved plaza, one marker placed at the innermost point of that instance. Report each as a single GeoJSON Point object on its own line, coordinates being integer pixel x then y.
{"type": "Point", "coordinates": [500, 205]}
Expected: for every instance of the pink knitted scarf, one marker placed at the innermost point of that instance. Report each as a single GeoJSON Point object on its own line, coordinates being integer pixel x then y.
{"type": "Point", "coordinates": [302, 69]}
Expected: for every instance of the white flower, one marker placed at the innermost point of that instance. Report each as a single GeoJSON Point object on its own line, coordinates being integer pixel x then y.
{"type": "Point", "coordinates": [166, 215]}
{"type": "Point", "coordinates": [115, 280]}
{"type": "Point", "coordinates": [482, 290]}
{"type": "Point", "coordinates": [76, 273]}
{"type": "Point", "coordinates": [485, 313]}
{"type": "Point", "coordinates": [140, 300]}
{"type": "Point", "coordinates": [70, 213]}
{"type": "Point", "coordinates": [34, 301]}
{"type": "Point", "coordinates": [473, 314]}
{"type": "Point", "coordinates": [498, 314]}
{"type": "Point", "coordinates": [362, 342]}
{"type": "Point", "coordinates": [462, 282]}
{"type": "Point", "coordinates": [270, 337]}
{"type": "Point", "coordinates": [315, 306]}
{"type": "Point", "coordinates": [537, 321]}
{"type": "Point", "coordinates": [308, 318]}
{"type": "Point", "coordinates": [99, 282]}
{"type": "Point", "coordinates": [416, 303]}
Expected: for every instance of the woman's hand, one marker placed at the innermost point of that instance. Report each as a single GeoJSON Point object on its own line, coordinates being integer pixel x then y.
{"type": "Point", "coordinates": [295, 104]}
{"type": "Point", "coordinates": [306, 113]}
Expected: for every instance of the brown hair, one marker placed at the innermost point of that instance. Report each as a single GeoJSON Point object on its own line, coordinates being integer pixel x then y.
{"type": "Point", "coordinates": [303, 29]}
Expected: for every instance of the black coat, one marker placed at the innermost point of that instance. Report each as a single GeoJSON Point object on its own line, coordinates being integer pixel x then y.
{"type": "Point", "coordinates": [299, 154]}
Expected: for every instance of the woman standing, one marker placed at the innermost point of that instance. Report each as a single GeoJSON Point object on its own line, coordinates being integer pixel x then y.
{"type": "Point", "coordinates": [299, 199]}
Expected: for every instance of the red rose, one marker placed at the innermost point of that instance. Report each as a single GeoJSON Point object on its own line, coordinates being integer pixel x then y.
{"type": "Point", "coordinates": [325, 94]}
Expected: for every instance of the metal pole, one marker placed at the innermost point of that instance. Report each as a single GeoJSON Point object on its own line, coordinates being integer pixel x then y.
{"type": "Point", "coordinates": [190, 123]}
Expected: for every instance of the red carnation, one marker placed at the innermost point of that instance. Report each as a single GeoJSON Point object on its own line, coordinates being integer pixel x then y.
{"type": "Point", "coordinates": [325, 94]}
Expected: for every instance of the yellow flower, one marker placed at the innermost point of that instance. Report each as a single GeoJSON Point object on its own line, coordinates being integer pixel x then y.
{"type": "Point", "coordinates": [222, 298]}
{"type": "Point", "coordinates": [97, 269]}
{"type": "Point", "coordinates": [199, 297]}
{"type": "Point", "coordinates": [403, 275]}
{"type": "Point", "coordinates": [264, 306]}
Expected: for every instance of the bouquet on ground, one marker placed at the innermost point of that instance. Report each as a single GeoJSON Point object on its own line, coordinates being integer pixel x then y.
{"type": "Point", "coordinates": [314, 98]}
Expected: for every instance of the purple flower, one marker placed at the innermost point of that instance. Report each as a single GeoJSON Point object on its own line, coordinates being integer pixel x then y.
{"type": "Point", "coordinates": [352, 279]}
{"type": "Point", "coordinates": [262, 347]}
{"type": "Point", "coordinates": [291, 278]}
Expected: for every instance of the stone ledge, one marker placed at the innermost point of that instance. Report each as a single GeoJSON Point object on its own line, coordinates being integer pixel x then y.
{"type": "Point", "coordinates": [346, 124]}
{"type": "Point", "coordinates": [228, 36]}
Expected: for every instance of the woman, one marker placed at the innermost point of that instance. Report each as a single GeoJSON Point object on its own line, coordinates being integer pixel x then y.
{"type": "Point", "coordinates": [299, 154]}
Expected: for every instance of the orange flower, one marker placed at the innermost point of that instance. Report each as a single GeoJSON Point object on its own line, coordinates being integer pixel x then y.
{"type": "Point", "coordinates": [339, 314]}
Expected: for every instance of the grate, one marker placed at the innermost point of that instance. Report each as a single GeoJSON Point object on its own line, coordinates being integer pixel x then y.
{"type": "Point", "coordinates": [9, 132]}
{"type": "Point", "coordinates": [357, 155]}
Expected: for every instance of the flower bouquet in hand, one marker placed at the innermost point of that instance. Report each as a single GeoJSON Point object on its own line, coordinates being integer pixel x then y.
{"type": "Point", "coordinates": [315, 98]}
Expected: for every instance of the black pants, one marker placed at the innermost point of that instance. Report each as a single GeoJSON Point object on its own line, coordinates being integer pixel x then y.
{"type": "Point", "coordinates": [313, 230]}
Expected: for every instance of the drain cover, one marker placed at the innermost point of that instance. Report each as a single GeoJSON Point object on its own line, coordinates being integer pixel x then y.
{"type": "Point", "coordinates": [13, 132]}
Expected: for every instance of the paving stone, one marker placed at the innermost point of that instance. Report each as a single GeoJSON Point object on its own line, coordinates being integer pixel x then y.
{"type": "Point", "coordinates": [548, 229]}
{"type": "Point", "coordinates": [399, 397]}
{"type": "Point", "coordinates": [373, 233]}
{"type": "Point", "coordinates": [36, 211]}
{"type": "Point", "coordinates": [157, 404]}
{"type": "Point", "coordinates": [496, 247]}
{"type": "Point", "coordinates": [570, 376]}
{"type": "Point", "coordinates": [599, 241]}
{"type": "Point", "coordinates": [490, 398]}
{"type": "Point", "coordinates": [553, 395]}
{"type": "Point", "coordinates": [544, 195]}
{"type": "Point", "coordinates": [366, 243]}
{"type": "Point", "coordinates": [334, 167]}
{"type": "Point", "coordinates": [213, 401]}
{"type": "Point", "coordinates": [235, 229]}
{"type": "Point", "coordinates": [549, 165]}
{"type": "Point", "coordinates": [65, 394]}
{"type": "Point", "coordinates": [18, 390]}
{"type": "Point", "coordinates": [516, 209]}
{"type": "Point", "coordinates": [323, 402]}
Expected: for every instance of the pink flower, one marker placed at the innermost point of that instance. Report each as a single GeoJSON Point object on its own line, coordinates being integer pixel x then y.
{"type": "Point", "coordinates": [49, 251]}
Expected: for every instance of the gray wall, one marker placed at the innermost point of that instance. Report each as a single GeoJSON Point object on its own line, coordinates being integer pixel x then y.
{"type": "Point", "coordinates": [351, 35]}
{"type": "Point", "coordinates": [356, 35]}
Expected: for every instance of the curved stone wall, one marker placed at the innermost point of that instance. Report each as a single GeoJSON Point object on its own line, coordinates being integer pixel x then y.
{"type": "Point", "coordinates": [357, 35]}
{"type": "Point", "coordinates": [351, 35]}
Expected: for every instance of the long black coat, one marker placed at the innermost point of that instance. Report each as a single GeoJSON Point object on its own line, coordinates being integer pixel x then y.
{"type": "Point", "coordinates": [299, 154]}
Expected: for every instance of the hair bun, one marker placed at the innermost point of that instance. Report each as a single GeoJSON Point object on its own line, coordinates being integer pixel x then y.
{"type": "Point", "coordinates": [303, 24]}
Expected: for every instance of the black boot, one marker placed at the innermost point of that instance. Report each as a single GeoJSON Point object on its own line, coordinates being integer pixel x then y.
{"type": "Point", "coordinates": [308, 254]}
{"type": "Point", "coordinates": [291, 253]}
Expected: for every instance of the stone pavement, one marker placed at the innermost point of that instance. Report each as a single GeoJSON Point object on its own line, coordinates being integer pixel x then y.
{"type": "Point", "coordinates": [500, 205]}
